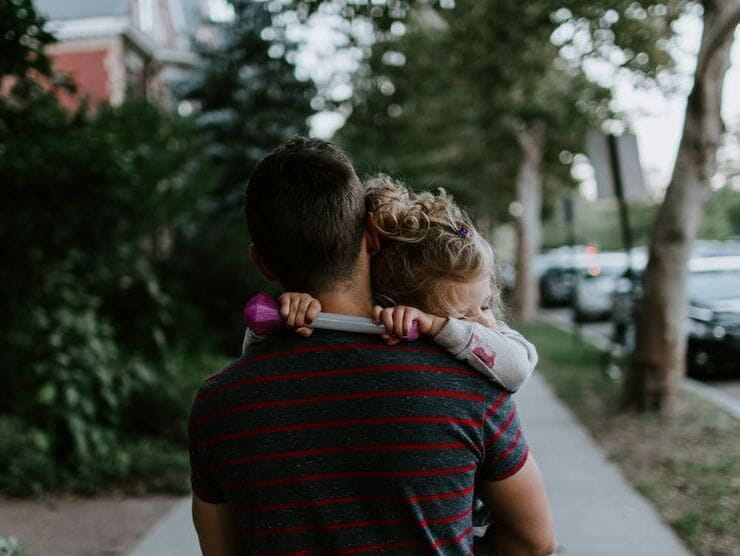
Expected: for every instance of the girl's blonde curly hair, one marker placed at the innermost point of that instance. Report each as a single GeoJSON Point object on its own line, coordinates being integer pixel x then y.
{"type": "Point", "coordinates": [426, 239]}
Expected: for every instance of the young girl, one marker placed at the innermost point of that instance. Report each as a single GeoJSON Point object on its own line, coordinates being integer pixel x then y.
{"type": "Point", "coordinates": [433, 267]}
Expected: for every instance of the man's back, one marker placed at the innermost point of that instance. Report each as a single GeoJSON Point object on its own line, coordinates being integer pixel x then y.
{"type": "Point", "coordinates": [339, 443]}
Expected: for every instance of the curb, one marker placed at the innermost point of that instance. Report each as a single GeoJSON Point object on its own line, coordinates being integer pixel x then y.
{"type": "Point", "coordinates": [728, 403]}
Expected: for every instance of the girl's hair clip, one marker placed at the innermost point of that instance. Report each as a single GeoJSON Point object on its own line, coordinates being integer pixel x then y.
{"type": "Point", "coordinates": [462, 232]}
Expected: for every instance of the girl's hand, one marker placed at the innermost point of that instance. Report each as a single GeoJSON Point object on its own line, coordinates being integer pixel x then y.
{"type": "Point", "coordinates": [299, 310]}
{"type": "Point", "coordinates": [398, 321]}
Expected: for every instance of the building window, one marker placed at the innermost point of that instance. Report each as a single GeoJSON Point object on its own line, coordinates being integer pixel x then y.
{"type": "Point", "coordinates": [146, 15]}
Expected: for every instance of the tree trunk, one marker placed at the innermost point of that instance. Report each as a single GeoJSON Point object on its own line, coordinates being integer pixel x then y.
{"type": "Point", "coordinates": [658, 364]}
{"type": "Point", "coordinates": [529, 180]}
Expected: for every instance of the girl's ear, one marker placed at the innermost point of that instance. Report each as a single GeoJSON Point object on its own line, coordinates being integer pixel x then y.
{"type": "Point", "coordinates": [372, 235]}
{"type": "Point", "coordinates": [260, 263]}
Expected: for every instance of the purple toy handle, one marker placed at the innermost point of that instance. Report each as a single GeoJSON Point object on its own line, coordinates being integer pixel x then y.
{"type": "Point", "coordinates": [262, 315]}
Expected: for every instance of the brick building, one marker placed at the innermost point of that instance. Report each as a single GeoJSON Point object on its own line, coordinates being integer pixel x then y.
{"type": "Point", "coordinates": [115, 48]}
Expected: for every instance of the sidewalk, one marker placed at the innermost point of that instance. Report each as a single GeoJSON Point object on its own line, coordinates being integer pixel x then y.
{"type": "Point", "coordinates": [596, 512]}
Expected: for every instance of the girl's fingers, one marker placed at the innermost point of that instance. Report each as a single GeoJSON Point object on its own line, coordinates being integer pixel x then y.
{"type": "Point", "coordinates": [302, 307]}
{"type": "Point", "coordinates": [290, 321]}
{"type": "Point", "coordinates": [314, 308]}
{"type": "Point", "coordinates": [408, 320]}
{"type": "Point", "coordinates": [386, 319]}
{"type": "Point", "coordinates": [304, 331]}
{"type": "Point", "coordinates": [284, 306]}
{"type": "Point", "coordinates": [376, 313]}
{"type": "Point", "coordinates": [398, 320]}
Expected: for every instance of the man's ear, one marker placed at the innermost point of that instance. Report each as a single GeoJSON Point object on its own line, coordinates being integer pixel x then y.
{"type": "Point", "coordinates": [372, 235]}
{"type": "Point", "coordinates": [260, 263]}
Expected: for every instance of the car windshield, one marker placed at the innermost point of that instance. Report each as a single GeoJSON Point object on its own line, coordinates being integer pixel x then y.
{"type": "Point", "coordinates": [714, 285]}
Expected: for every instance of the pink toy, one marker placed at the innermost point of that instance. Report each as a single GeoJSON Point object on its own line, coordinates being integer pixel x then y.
{"type": "Point", "coordinates": [262, 315]}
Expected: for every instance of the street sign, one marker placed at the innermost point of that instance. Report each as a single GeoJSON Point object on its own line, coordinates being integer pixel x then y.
{"type": "Point", "coordinates": [627, 164]}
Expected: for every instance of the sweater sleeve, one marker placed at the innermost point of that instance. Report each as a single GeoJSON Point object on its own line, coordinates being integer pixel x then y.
{"type": "Point", "coordinates": [249, 339]}
{"type": "Point", "coordinates": [499, 353]}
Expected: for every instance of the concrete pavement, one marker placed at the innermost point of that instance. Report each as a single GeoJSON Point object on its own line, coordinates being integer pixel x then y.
{"type": "Point", "coordinates": [173, 535]}
{"type": "Point", "coordinates": [596, 512]}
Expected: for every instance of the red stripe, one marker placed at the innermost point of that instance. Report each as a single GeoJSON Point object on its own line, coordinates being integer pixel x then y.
{"type": "Point", "coordinates": [378, 546]}
{"type": "Point", "coordinates": [508, 450]}
{"type": "Point", "coordinates": [456, 540]}
{"type": "Point", "coordinates": [355, 499]}
{"type": "Point", "coordinates": [512, 470]}
{"type": "Point", "coordinates": [495, 406]}
{"type": "Point", "coordinates": [351, 550]}
{"type": "Point", "coordinates": [243, 364]}
{"type": "Point", "coordinates": [338, 423]}
{"type": "Point", "coordinates": [349, 474]}
{"type": "Point", "coordinates": [338, 397]}
{"type": "Point", "coordinates": [334, 372]}
{"type": "Point", "coordinates": [448, 519]}
{"type": "Point", "coordinates": [337, 347]}
{"type": "Point", "coordinates": [357, 524]}
{"type": "Point", "coordinates": [341, 449]}
{"type": "Point", "coordinates": [370, 547]}
{"type": "Point", "coordinates": [499, 433]}
{"type": "Point", "coordinates": [333, 526]}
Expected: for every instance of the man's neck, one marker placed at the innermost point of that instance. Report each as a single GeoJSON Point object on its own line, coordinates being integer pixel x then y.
{"type": "Point", "coordinates": [355, 301]}
{"type": "Point", "coordinates": [353, 297]}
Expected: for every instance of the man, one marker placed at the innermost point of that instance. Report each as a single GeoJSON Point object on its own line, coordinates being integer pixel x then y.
{"type": "Point", "coordinates": [338, 443]}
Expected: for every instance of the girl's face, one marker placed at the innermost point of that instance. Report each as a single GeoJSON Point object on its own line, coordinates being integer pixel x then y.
{"type": "Point", "coordinates": [469, 300]}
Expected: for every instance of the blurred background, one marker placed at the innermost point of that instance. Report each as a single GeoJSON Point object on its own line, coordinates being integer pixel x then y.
{"type": "Point", "coordinates": [597, 143]}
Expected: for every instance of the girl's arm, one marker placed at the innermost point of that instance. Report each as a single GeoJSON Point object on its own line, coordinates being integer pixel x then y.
{"type": "Point", "coordinates": [499, 353]}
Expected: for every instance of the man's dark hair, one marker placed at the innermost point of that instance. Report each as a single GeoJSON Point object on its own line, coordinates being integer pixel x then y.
{"type": "Point", "coordinates": [305, 210]}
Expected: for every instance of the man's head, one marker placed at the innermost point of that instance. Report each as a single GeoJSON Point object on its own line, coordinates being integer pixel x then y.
{"type": "Point", "coordinates": [305, 209]}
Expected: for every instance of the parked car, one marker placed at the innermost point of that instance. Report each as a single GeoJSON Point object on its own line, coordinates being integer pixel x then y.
{"type": "Point", "coordinates": [559, 272]}
{"type": "Point", "coordinates": [714, 317]}
{"type": "Point", "coordinates": [557, 285]}
{"type": "Point", "coordinates": [713, 323]}
{"type": "Point", "coordinates": [595, 285]}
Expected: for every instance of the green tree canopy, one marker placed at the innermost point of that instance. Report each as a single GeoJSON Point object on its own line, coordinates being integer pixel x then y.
{"type": "Point", "coordinates": [247, 95]}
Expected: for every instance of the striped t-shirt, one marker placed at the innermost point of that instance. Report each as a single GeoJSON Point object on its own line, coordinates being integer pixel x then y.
{"type": "Point", "coordinates": [339, 444]}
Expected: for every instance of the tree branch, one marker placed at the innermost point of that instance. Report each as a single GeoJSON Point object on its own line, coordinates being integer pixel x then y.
{"type": "Point", "coordinates": [728, 21]}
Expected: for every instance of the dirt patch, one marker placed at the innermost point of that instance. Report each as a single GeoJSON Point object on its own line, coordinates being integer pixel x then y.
{"type": "Point", "coordinates": [687, 465]}
{"type": "Point", "coordinates": [71, 526]}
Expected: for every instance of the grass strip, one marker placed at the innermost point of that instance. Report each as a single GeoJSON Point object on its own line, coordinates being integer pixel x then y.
{"type": "Point", "coordinates": [687, 464]}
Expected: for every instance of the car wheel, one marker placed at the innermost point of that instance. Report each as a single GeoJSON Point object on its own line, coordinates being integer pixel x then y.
{"type": "Point", "coordinates": [699, 364]}
{"type": "Point", "coordinates": [580, 316]}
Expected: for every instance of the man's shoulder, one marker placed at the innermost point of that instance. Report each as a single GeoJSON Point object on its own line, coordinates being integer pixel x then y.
{"type": "Point", "coordinates": [325, 345]}
{"type": "Point", "coordinates": [288, 353]}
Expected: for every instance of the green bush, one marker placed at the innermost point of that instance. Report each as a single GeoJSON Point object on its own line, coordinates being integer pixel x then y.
{"type": "Point", "coordinates": [90, 204]}
{"type": "Point", "coordinates": [160, 409]}
{"type": "Point", "coordinates": [132, 465]}
{"type": "Point", "coordinates": [116, 278]}
{"type": "Point", "coordinates": [27, 465]}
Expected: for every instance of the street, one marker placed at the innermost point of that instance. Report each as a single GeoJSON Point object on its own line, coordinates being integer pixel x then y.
{"type": "Point", "coordinates": [600, 332]}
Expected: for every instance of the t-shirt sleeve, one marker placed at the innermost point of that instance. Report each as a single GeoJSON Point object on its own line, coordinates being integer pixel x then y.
{"type": "Point", "coordinates": [202, 481]}
{"type": "Point", "coordinates": [504, 445]}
